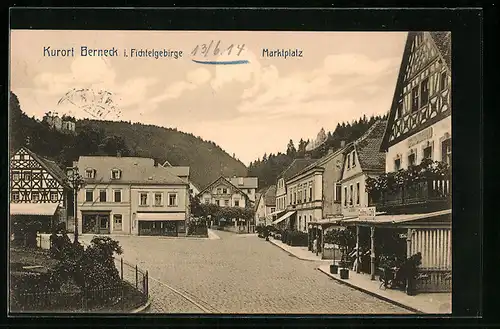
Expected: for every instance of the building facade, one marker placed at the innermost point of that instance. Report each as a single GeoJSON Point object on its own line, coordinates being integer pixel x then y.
{"type": "Point", "coordinates": [362, 159]}
{"type": "Point", "coordinates": [35, 181]}
{"type": "Point", "coordinates": [248, 185]}
{"type": "Point", "coordinates": [131, 195]}
{"type": "Point", "coordinates": [266, 207]}
{"type": "Point", "coordinates": [224, 193]}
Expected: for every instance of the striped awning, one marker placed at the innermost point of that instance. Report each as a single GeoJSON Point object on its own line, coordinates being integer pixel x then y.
{"type": "Point", "coordinates": [33, 209]}
{"type": "Point", "coordinates": [397, 219]}
{"type": "Point", "coordinates": [285, 216]}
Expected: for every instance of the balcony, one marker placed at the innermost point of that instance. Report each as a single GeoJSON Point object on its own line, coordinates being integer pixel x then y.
{"type": "Point", "coordinates": [419, 196]}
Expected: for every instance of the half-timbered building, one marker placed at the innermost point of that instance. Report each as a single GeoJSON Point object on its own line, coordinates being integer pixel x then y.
{"type": "Point", "coordinates": [38, 187]}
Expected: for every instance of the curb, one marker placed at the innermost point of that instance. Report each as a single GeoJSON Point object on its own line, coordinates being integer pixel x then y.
{"type": "Point", "coordinates": [143, 308]}
{"type": "Point", "coordinates": [371, 293]}
{"type": "Point", "coordinates": [292, 254]}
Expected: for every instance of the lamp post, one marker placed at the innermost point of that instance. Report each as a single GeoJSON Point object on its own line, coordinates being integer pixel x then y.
{"type": "Point", "coordinates": [76, 184]}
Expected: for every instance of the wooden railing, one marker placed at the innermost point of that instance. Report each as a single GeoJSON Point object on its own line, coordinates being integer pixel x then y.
{"type": "Point", "coordinates": [417, 193]}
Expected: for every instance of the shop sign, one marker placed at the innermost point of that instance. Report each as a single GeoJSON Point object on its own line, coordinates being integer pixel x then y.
{"type": "Point", "coordinates": [366, 213]}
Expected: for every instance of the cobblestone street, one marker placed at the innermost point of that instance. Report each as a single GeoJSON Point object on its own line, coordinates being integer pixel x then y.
{"type": "Point", "coordinates": [240, 274]}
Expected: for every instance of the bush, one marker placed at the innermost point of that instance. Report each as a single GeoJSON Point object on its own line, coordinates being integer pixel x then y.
{"type": "Point", "coordinates": [296, 238]}
{"type": "Point", "coordinates": [197, 228]}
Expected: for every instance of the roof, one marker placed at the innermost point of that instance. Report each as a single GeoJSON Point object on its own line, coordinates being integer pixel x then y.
{"type": "Point", "coordinates": [443, 44]}
{"type": "Point", "coordinates": [320, 162]}
{"type": "Point", "coordinates": [50, 166]}
{"type": "Point", "coordinates": [368, 148]}
{"type": "Point", "coordinates": [398, 219]}
{"type": "Point", "coordinates": [134, 170]}
{"type": "Point", "coordinates": [225, 180]}
{"type": "Point", "coordinates": [295, 167]}
{"type": "Point", "coordinates": [270, 196]}
{"type": "Point", "coordinates": [33, 209]}
{"type": "Point", "coordinates": [181, 171]}
{"type": "Point", "coordinates": [248, 182]}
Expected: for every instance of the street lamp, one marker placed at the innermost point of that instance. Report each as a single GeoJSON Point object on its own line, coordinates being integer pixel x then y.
{"type": "Point", "coordinates": [77, 183]}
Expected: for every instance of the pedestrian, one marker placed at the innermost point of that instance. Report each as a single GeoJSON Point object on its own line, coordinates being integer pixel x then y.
{"type": "Point", "coordinates": [315, 245]}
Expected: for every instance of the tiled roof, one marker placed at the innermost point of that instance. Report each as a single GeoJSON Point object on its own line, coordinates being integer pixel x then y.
{"type": "Point", "coordinates": [180, 171]}
{"type": "Point", "coordinates": [443, 43]}
{"type": "Point", "coordinates": [270, 196]}
{"type": "Point", "coordinates": [368, 148]}
{"type": "Point", "coordinates": [320, 162]}
{"type": "Point", "coordinates": [50, 166]}
{"type": "Point", "coordinates": [248, 182]}
{"type": "Point", "coordinates": [134, 170]}
{"type": "Point", "coordinates": [295, 167]}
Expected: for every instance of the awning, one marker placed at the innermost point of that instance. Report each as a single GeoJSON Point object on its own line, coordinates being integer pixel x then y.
{"type": "Point", "coordinates": [161, 216]}
{"type": "Point", "coordinates": [33, 209]}
{"type": "Point", "coordinates": [285, 216]}
{"type": "Point", "coordinates": [397, 219]}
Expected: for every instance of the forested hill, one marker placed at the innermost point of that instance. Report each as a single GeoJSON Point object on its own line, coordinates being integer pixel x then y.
{"type": "Point", "coordinates": [271, 165]}
{"type": "Point", "coordinates": [206, 160]}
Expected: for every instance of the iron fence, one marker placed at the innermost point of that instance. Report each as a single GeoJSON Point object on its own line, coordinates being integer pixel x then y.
{"type": "Point", "coordinates": [133, 275]}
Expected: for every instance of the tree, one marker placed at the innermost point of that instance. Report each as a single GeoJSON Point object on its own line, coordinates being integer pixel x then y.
{"type": "Point", "coordinates": [290, 150]}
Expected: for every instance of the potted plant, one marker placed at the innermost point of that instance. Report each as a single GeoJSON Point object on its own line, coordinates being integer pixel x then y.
{"type": "Point", "coordinates": [332, 237]}
{"type": "Point", "coordinates": [344, 238]}
{"type": "Point", "coordinates": [344, 271]}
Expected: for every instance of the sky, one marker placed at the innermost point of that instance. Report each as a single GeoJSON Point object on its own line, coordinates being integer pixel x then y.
{"type": "Point", "coordinates": [248, 109]}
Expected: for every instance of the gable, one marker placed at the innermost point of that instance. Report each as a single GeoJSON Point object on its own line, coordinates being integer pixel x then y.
{"type": "Point", "coordinates": [25, 159]}
{"type": "Point", "coordinates": [423, 94]}
{"type": "Point", "coordinates": [221, 182]}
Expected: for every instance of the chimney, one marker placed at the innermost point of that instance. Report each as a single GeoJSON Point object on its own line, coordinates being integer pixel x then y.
{"type": "Point", "coordinates": [342, 143]}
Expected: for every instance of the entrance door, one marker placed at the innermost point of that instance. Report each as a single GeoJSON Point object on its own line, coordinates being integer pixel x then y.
{"type": "Point", "coordinates": [103, 224]}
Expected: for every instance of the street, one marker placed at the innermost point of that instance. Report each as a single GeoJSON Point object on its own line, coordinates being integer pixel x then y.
{"type": "Point", "coordinates": [239, 274]}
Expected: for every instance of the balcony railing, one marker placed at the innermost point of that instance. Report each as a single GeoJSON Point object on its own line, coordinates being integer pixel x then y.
{"type": "Point", "coordinates": [431, 195]}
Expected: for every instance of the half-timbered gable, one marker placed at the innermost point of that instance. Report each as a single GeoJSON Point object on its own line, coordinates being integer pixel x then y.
{"type": "Point", "coordinates": [224, 193]}
{"type": "Point", "coordinates": [35, 179]}
{"type": "Point", "coordinates": [423, 92]}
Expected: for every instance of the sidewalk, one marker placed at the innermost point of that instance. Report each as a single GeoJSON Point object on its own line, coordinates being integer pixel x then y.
{"type": "Point", "coordinates": [433, 303]}
{"type": "Point", "coordinates": [212, 235]}
{"type": "Point", "coordinates": [299, 252]}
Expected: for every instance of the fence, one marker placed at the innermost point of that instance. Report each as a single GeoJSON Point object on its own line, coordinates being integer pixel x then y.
{"type": "Point", "coordinates": [133, 275]}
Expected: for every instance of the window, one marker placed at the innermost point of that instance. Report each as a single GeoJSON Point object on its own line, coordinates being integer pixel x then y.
{"type": "Point", "coordinates": [273, 210]}
{"type": "Point", "coordinates": [443, 81]}
{"type": "Point", "coordinates": [357, 193]}
{"type": "Point", "coordinates": [219, 190]}
{"type": "Point", "coordinates": [115, 174]}
{"type": "Point", "coordinates": [414, 99]}
{"type": "Point", "coordinates": [89, 195]}
{"type": "Point", "coordinates": [300, 223]}
{"type": "Point", "coordinates": [353, 159]}
{"type": "Point", "coordinates": [102, 196]}
{"type": "Point", "coordinates": [400, 108]}
{"type": "Point", "coordinates": [304, 194]}
{"type": "Point", "coordinates": [172, 199]}
{"type": "Point", "coordinates": [411, 159]}
{"type": "Point", "coordinates": [236, 203]}
{"type": "Point", "coordinates": [15, 176]}
{"type": "Point", "coordinates": [226, 203]}
{"type": "Point", "coordinates": [294, 197]}
{"type": "Point", "coordinates": [27, 176]}
{"type": "Point", "coordinates": [89, 173]}
{"type": "Point", "coordinates": [397, 164]}
{"type": "Point", "coordinates": [224, 190]}
{"type": "Point", "coordinates": [338, 192]}
{"type": "Point", "coordinates": [349, 161]}
{"type": "Point", "coordinates": [21, 157]}
{"type": "Point", "coordinates": [310, 192]}
{"type": "Point", "coordinates": [117, 221]}
{"type": "Point", "coordinates": [424, 92]}
{"type": "Point", "coordinates": [428, 152]}
{"type": "Point", "coordinates": [53, 196]}
{"type": "Point", "coordinates": [35, 196]}
{"type": "Point", "coordinates": [143, 199]}
{"type": "Point", "coordinates": [118, 196]}
{"type": "Point", "coordinates": [15, 196]}
{"type": "Point", "coordinates": [207, 201]}
{"type": "Point", "coordinates": [350, 194]}
{"type": "Point", "coordinates": [345, 196]}
{"type": "Point", "coordinates": [158, 199]}
{"type": "Point", "coordinates": [446, 151]}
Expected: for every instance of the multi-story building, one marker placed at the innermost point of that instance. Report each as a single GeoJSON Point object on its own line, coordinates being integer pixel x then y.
{"type": "Point", "coordinates": [288, 219]}
{"type": "Point", "coordinates": [248, 185]}
{"type": "Point", "coordinates": [131, 195]}
{"type": "Point", "coordinates": [266, 206]}
{"type": "Point", "coordinates": [362, 159]}
{"type": "Point", "coordinates": [183, 173]}
{"type": "Point", "coordinates": [418, 206]}
{"type": "Point", "coordinates": [38, 187]}
{"type": "Point", "coordinates": [224, 193]}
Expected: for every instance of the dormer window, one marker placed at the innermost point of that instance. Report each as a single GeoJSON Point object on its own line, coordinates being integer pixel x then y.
{"type": "Point", "coordinates": [116, 174]}
{"type": "Point", "coordinates": [89, 173]}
